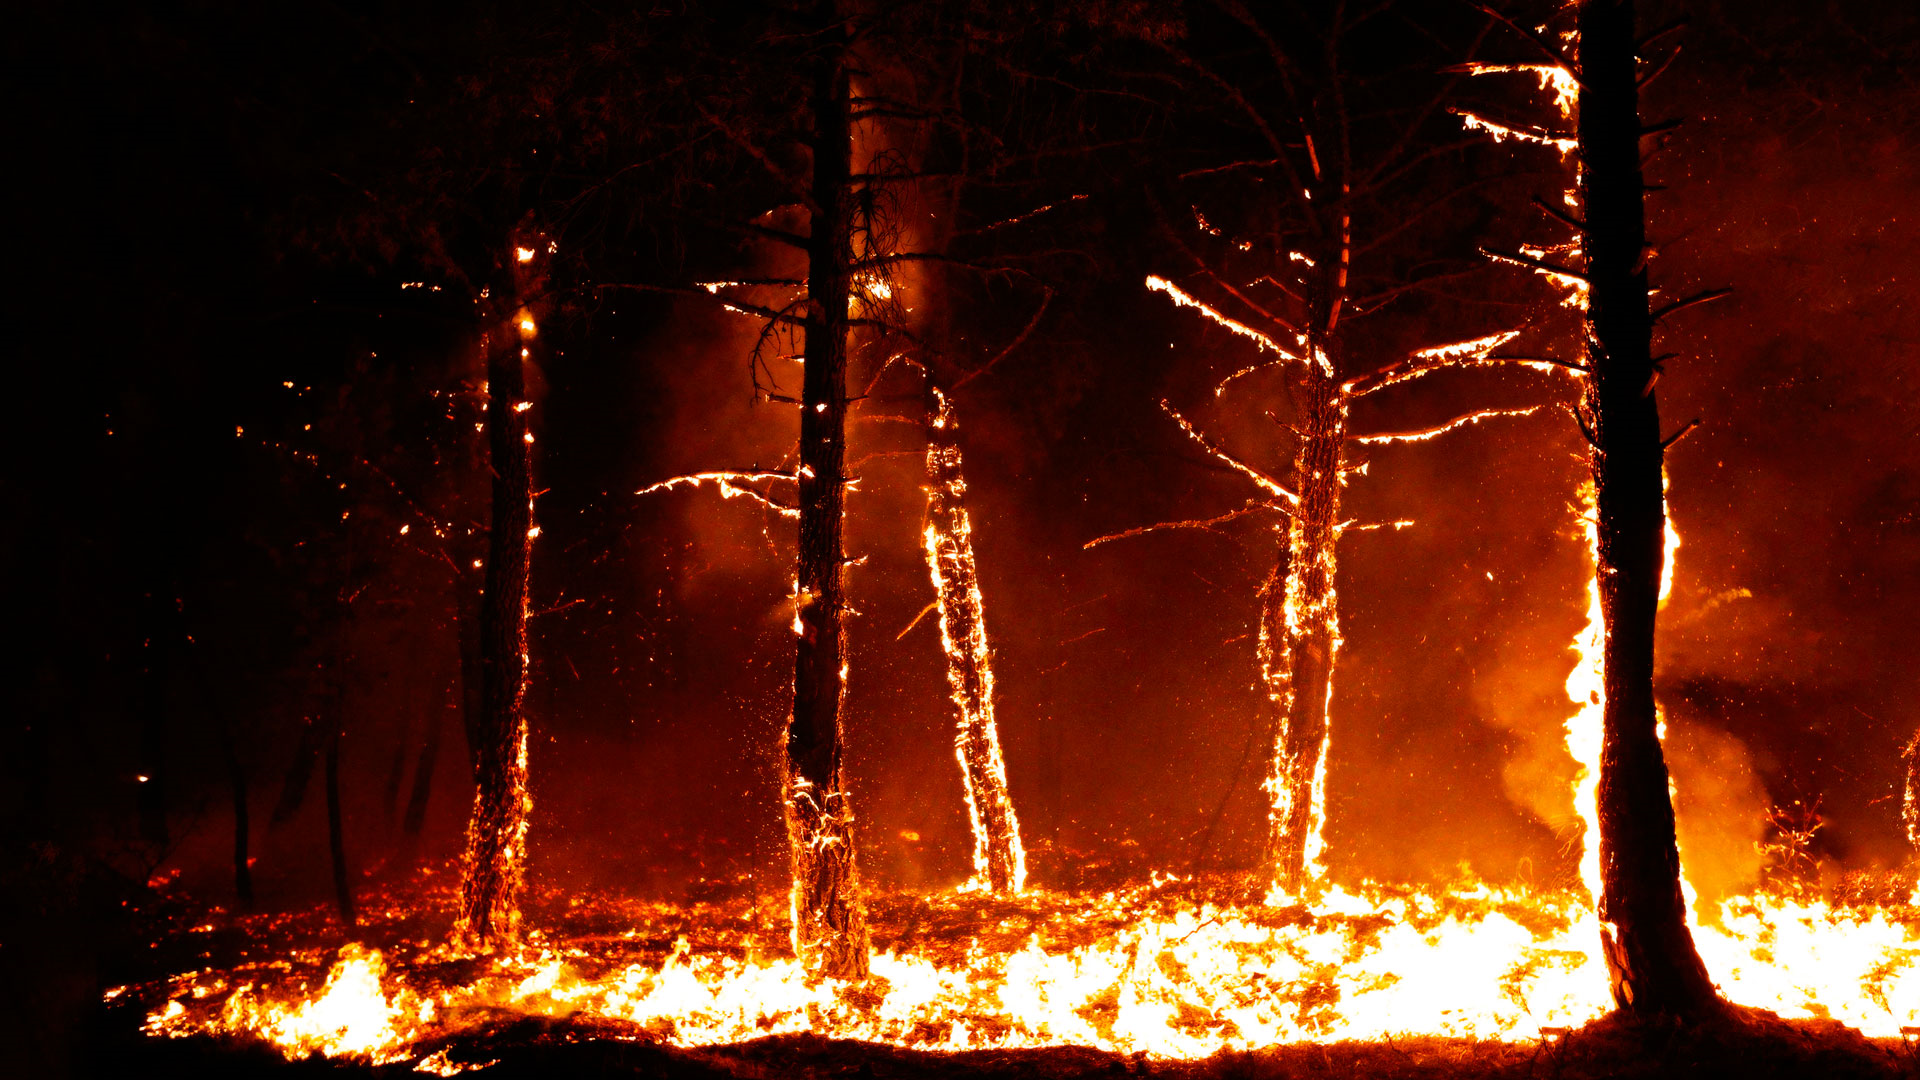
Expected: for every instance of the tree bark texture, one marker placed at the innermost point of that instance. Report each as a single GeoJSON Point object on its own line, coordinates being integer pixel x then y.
{"type": "Point", "coordinates": [1299, 634]}
{"type": "Point", "coordinates": [1653, 965]}
{"type": "Point", "coordinates": [489, 912]}
{"type": "Point", "coordinates": [999, 861]}
{"type": "Point", "coordinates": [829, 916]}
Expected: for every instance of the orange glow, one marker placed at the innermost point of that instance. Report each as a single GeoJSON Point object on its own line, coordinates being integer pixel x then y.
{"type": "Point", "coordinates": [1161, 969]}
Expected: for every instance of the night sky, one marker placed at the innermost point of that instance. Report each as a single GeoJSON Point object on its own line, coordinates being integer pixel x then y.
{"type": "Point", "coordinates": [176, 261]}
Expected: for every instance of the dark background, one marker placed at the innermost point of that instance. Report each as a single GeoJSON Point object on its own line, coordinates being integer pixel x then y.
{"type": "Point", "coordinates": [162, 476]}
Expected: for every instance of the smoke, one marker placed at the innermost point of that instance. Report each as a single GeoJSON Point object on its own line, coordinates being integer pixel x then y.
{"type": "Point", "coordinates": [1720, 806]}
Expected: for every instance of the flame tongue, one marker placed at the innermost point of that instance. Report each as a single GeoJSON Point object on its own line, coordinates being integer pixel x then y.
{"type": "Point", "coordinates": [1171, 969]}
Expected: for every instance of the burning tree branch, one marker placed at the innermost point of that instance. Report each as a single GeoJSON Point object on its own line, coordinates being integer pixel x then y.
{"type": "Point", "coordinates": [1423, 434]}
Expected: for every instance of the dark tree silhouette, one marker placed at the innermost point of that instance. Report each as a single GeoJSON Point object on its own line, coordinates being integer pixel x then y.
{"type": "Point", "coordinates": [1653, 965]}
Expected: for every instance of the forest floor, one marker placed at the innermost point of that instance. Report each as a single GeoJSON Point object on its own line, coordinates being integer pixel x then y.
{"type": "Point", "coordinates": [504, 1043]}
{"type": "Point", "coordinates": [1750, 1047]}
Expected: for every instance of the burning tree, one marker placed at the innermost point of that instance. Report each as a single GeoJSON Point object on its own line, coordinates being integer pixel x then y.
{"type": "Point", "coordinates": [1910, 798]}
{"type": "Point", "coordinates": [1597, 69]}
{"type": "Point", "coordinates": [542, 138]}
{"type": "Point", "coordinates": [861, 103]}
{"type": "Point", "coordinates": [497, 735]}
{"type": "Point", "coordinates": [1278, 263]}
{"type": "Point", "coordinates": [999, 861]}
{"type": "Point", "coordinates": [828, 911]}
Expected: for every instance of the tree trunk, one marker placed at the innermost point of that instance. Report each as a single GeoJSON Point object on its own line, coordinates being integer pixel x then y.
{"type": "Point", "coordinates": [489, 912]}
{"type": "Point", "coordinates": [242, 828]}
{"type": "Point", "coordinates": [336, 831]}
{"type": "Point", "coordinates": [236, 779]}
{"type": "Point", "coordinates": [1910, 802]}
{"type": "Point", "coordinates": [999, 862]}
{"type": "Point", "coordinates": [156, 667]}
{"type": "Point", "coordinates": [1299, 634]}
{"type": "Point", "coordinates": [1653, 966]}
{"type": "Point", "coordinates": [416, 813]}
{"type": "Point", "coordinates": [829, 915]}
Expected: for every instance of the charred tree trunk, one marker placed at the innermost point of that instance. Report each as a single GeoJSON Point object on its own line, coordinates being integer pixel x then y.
{"type": "Point", "coordinates": [236, 780]}
{"type": "Point", "coordinates": [999, 862]}
{"type": "Point", "coordinates": [336, 831]}
{"type": "Point", "coordinates": [242, 827]}
{"type": "Point", "coordinates": [829, 915]}
{"type": "Point", "coordinates": [156, 660]}
{"type": "Point", "coordinates": [489, 912]}
{"type": "Point", "coordinates": [1299, 634]}
{"type": "Point", "coordinates": [1653, 965]}
{"type": "Point", "coordinates": [1910, 801]}
{"type": "Point", "coordinates": [416, 813]}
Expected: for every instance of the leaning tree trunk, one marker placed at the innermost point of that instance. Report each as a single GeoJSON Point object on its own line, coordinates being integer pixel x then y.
{"type": "Point", "coordinates": [1652, 964]}
{"type": "Point", "coordinates": [497, 832]}
{"type": "Point", "coordinates": [829, 915]}
{"type": "Point", "coordinates": [1299, 633]}
{"type": "Point", "coordinates": [1910, 802]}
{"type": "Point", "coordinates": [999, 862]}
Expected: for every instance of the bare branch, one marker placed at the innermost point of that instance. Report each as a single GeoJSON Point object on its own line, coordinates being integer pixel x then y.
{"type": "Point", "coordinates": [1184, 299]}
{"type": "Point", "coordinates": [1697, 298]}
{"type": "Point", "coordinates": [1685, 429]}
{"type": "Point", "coordinates": [1426, 361]}
{"type": "Point", "coordinates": [1257, 163]}
{"type": "Point", "coordinates": [924, 612]}
{"type": "Point", "coordinates": [1019, 218]}
{"type": "Point", "coordinates": [1659, 69]}
{"type": "Point", "coordinates": [1540, 46]}
{"type": "Point", "coordinates": [1531, 263]}
{"type": "Point", "coordinates": [1424, 434]}
{"type": "Point", "coordinates": [1560, 215]}
{"type": "Point", "coordinates": [1370, 526]}
{"type": "Point", "coordinates": [1253, 506]}
{"type": "Point", "coordinates": [1655, 35]}
{"type": "Point", "coordinates": [730, 483]}
{"type": "Point", "coordinates": [1265, 482]}
{"type": "Point", "coordinates": [770, 314]}
{"type": "Point", "coordinates": [1564, 142]}
{"type": "Point", "coordinates": [1020, 338]}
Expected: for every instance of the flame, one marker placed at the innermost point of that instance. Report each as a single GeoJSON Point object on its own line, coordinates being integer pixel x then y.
{"type": "Point", "coordinates": [1167, 969]}
{"type": "Point", "coordinates": [1182, 298]}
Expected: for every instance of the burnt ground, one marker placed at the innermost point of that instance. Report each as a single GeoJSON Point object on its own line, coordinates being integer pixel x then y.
{"type": "Point", "coordinates": [1746, 1046]}
{"type": "Point", "coordinates": [166, 937]}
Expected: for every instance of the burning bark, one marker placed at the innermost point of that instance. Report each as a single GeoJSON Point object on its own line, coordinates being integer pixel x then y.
{"type": "Point", "coordinates": [497, 733]}
{"type": "Point", "coordinates": [1910, 801]}
{"type": "Point", "coordinates": [1279, 270]}
{"type": "Point", "coordinates": [1299, 634]}
{"type": "Point", "coordinates": [999, 861]}
{"type": "Point", "coordinates": [1652, 963]}
{"type": "Point", "coordinates": [829, 915]}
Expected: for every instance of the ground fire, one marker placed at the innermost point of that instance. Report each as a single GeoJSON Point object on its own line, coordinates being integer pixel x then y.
{"type": "Point", "coordinates": [1202, 572]}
